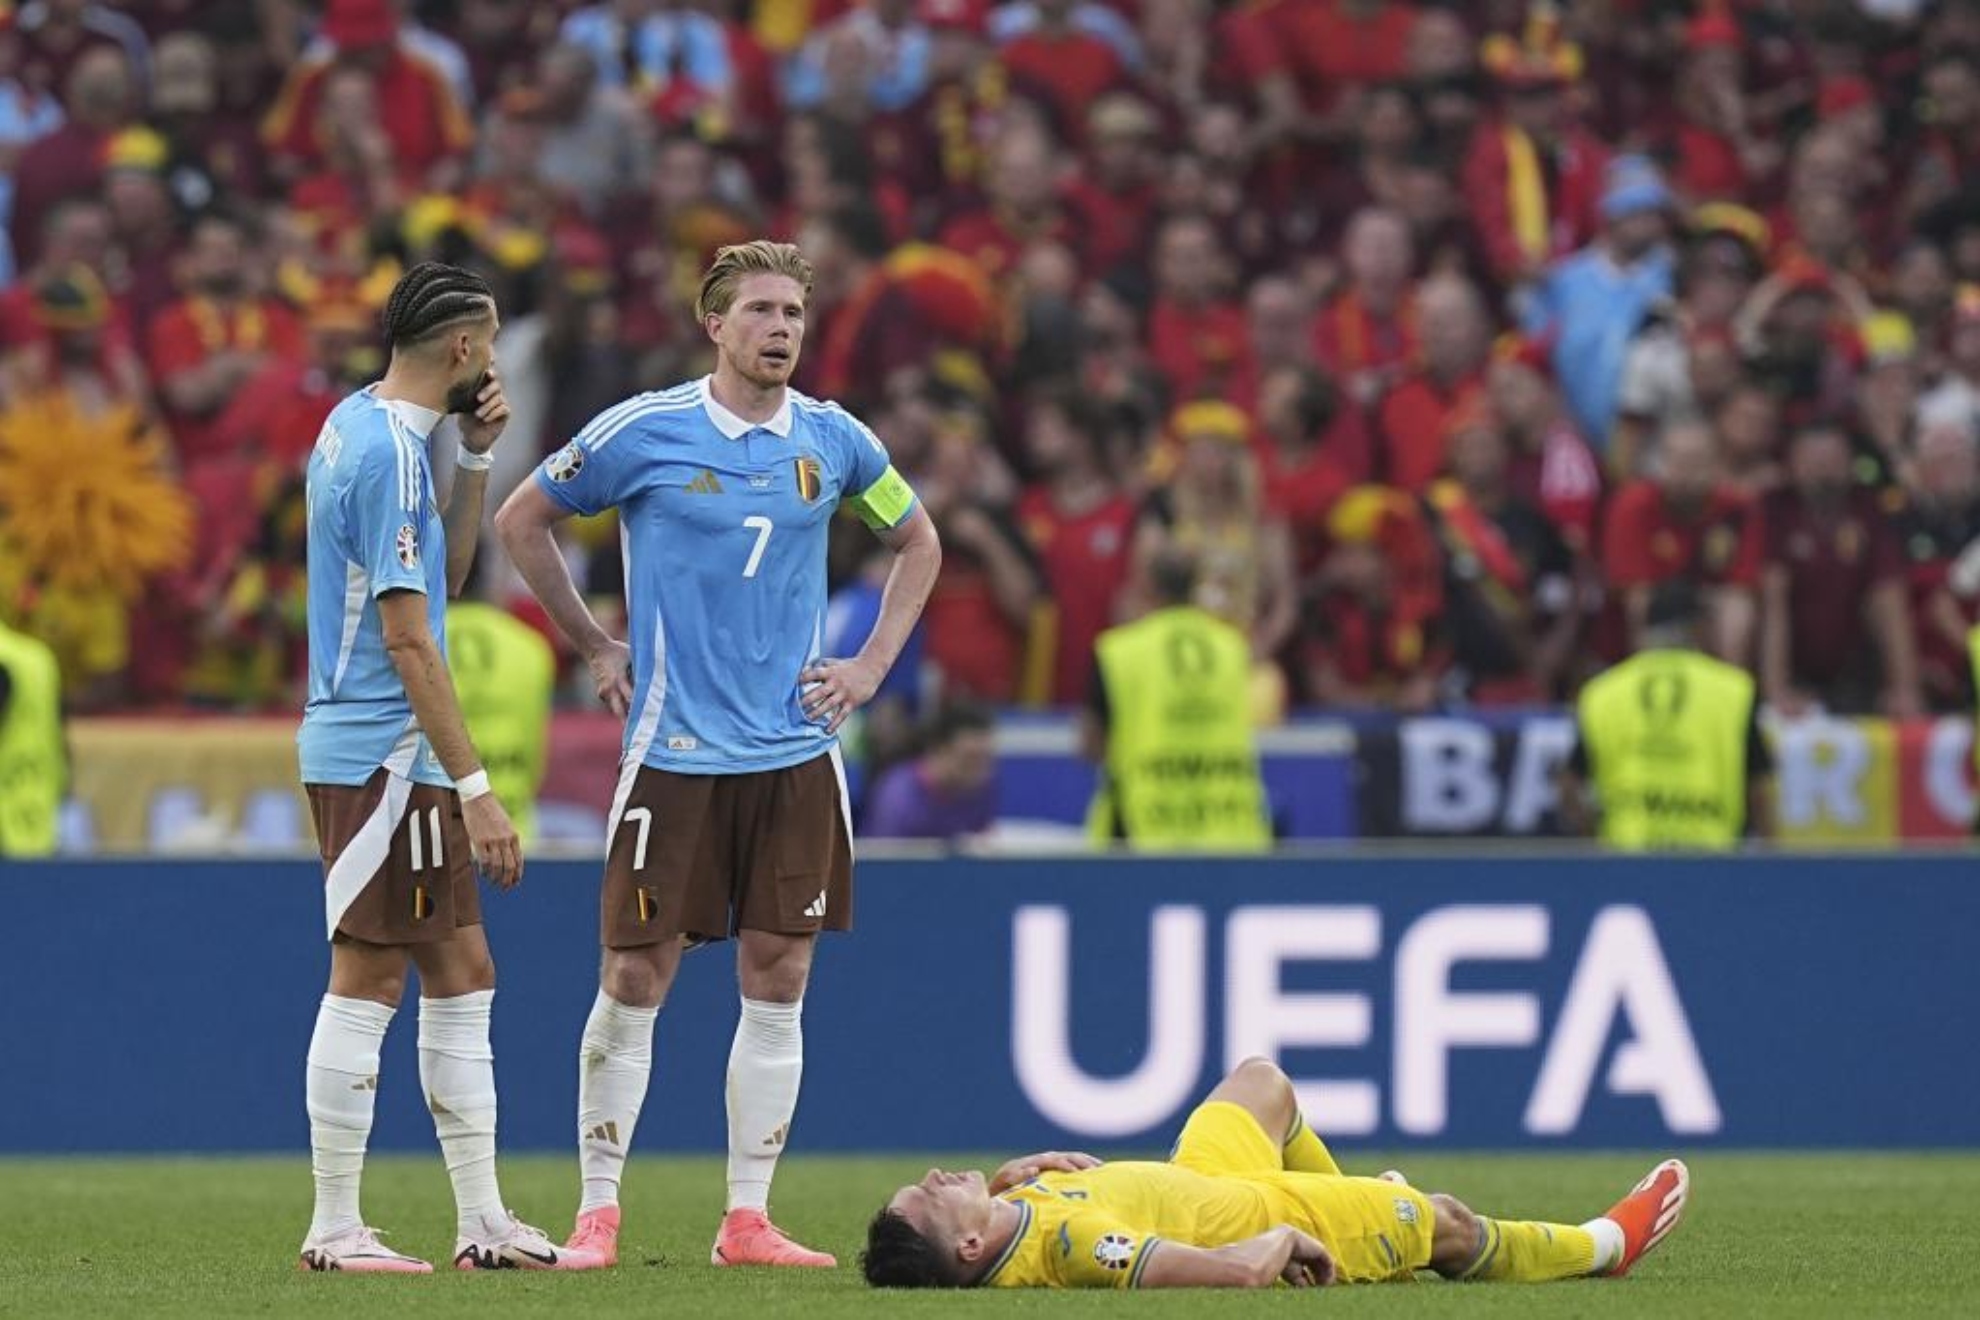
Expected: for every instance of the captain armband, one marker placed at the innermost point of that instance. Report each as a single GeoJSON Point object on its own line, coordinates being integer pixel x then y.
{"type": "Point", "coordinates": [886, 502]}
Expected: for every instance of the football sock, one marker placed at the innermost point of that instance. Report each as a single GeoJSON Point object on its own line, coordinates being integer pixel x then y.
{"type": "Point", "coordinates": [341, 1083]}
{"type": "Point", "coordinates": [457, 1068]}
{"type": "Point", "coordinates": [615, 1059]}
{"type": "Point", "coordinates": [1609, 1243]}
{"type": "Point", "coordinates": [765, 1066]}
{"type": "Point", "coordinates": [1513, 1251]}
{"type": "Point", "coordinates": [1306, 1153]}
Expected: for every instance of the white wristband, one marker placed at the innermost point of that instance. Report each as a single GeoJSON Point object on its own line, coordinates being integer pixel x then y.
{"type": "Point", "coordinates": [474, 786]}
{"type": "Point", "coordinates": [474, 462]}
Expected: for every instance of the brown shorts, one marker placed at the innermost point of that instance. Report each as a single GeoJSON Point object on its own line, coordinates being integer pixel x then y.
{"type": "Point", "coordinates": [708, 855]}
{"type": "Point", "coordinates": [414, 876]}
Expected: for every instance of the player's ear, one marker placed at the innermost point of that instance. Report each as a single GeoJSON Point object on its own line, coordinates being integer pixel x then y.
{"type": "Point", "coordinates": [969, 1248]}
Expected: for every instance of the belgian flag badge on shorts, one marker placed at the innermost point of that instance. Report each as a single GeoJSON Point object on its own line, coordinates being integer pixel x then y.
{"type": "Point", "coordinates": [807, 477]}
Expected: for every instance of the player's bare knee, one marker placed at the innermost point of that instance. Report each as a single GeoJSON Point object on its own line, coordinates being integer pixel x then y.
{"type": "Point", "coordinates": [638, 978]}
{"type": "Point", "coordinates": [773, 969]}
{"type": "Point", "coordinates": [1262, 1087]}
{"type": "Point", "coordinates": [1454, 1242]}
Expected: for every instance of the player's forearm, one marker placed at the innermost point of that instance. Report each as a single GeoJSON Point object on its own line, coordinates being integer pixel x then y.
{"type": "Point", "coordinates": [917, 562]}
{"type": "Point", "coordinates": [465, 503]}
{"type": "Point", "coordinates": [430, 692]}
{"type": "Point", "coordinates": [533, 550]}
{"type": "Point", "coordinates": [1253, 1263]}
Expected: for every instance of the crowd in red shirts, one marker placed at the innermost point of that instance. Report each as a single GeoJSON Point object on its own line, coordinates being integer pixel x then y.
{"type": "Point", "coordinates": [1442, 333]}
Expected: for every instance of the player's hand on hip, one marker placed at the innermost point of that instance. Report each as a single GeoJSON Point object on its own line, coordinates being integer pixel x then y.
{"type": "Point", "coordinates": [837, 688]}
{"type": "Point", "coordinates": [1311, 1264]}
{"type": "Point", "coordinates": [611, 675]}
{"type": "Point", "coordinates": [481, 428]}
{"type": "Point", "coordinates": [492, 839]}
{"type": "Point", "coordinates": [1026, 1167]}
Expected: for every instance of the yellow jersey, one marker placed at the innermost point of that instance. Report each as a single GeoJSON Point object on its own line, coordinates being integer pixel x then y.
{"type": "Point", "coordinates": [1099, 1228]}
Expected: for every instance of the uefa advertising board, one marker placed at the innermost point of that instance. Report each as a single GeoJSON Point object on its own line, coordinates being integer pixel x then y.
{"type": "Point", "coordinates": [993, 1005]}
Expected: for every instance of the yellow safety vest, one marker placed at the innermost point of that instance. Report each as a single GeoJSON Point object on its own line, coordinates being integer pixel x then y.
{"type": "Point", "coordinates": [504, 673]}
{"type": "Point", "coordinates": [1182, 756]}
{"type": "Point", "coordinates": [1973, 650]}
{"type": "Point", "coordinates": [1666, 733]}
{"type": "Point", "coordinates": [34, 771]}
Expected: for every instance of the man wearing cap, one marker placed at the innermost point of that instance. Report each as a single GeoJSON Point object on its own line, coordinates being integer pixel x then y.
{"type": "Point", "coordinates": [1670, 742]}
{"type": "Point", "coordinates": [1533, 178]}
{"type": "Point", "coordinates": [1592, 303]}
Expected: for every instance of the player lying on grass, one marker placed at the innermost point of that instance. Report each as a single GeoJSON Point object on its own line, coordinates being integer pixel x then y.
{"type": "Point", "coordinates": [1250, 1197]}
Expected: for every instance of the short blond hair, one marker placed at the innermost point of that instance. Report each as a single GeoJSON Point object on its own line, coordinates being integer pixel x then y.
{"type": "Point", "coordinates": [733, 263]}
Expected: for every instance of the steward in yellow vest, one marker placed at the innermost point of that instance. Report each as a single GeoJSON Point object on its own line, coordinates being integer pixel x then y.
{"type": "Point", "coordinates": [1671, 743]}
{"type": "Point", "coordinates": [1169, 719]}
{"type": "Point", "coordinates": [34, 764]}
{"type": "Point", "coordinates": [504, 673]}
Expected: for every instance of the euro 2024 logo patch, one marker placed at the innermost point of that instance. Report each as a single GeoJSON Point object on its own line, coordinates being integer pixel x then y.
{"type": "Point", "coordinates": [408, 546]}
{"type": "Point", "coordinates": [1114, 1251]}
{"type": "Point", "coordinates": [566, 462]}
{"type": "Point", "coordinates": [1405, 1211]}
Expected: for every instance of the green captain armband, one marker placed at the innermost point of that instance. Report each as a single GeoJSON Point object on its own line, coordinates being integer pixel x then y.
{"type": "Point", "coordinates": [883, 504]}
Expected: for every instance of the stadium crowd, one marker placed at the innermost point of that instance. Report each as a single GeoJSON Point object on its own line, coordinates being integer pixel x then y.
{"type": "Point", "coordinates": [1440, 333]}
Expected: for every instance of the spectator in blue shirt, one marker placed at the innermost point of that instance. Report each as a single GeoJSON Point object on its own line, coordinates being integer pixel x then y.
{"type": "Point", "coordinates": [1591, 304]}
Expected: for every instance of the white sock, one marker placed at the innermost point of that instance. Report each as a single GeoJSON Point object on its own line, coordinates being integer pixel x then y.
{"type": "Point", "coordinates": [1608, 1237]}
{"type": "Point", "coordinates": [615, 1059]}
{"type": "Point", "coordinates": [457, 1068]}
{"type": "Point", "coordinates": [341, 1084]}
{"type": "Point", "coordinates": [765, 1066]}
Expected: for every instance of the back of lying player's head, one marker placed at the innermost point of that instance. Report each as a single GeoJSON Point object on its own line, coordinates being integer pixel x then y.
{"type": "Point", "coordinates": [899, 1255]}
{"type": "Point", "coordinates": [433, 297]}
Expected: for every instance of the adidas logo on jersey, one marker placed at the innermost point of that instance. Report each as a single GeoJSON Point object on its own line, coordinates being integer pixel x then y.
{"type": "Point", "coordinates": [817, 908]}
{"type": "Point", "coordinates": [705, 484]}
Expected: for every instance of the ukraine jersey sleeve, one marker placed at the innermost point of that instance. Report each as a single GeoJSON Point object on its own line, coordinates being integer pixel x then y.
{"type": "Point", "coordinates": [387, 510]}
{"type": "Point", "coordinates": [1092, 1249]}
{"type": "Point", "coordinates": [879, 494]}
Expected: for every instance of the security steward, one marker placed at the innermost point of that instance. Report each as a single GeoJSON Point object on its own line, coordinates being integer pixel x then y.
{"type": "Point", "coordinates": [1670, 742]}
{"type": "Point", "coordinates": [504, 674]}
{"type": "Point", "coordinates": [34, 763]}
{"type": "Point", "coordinates": [1168, 718]}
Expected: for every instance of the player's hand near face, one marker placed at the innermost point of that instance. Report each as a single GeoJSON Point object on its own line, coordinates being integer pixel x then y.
{"type": "Point", "coordinates": [843, 686]}
{"type": "Point", "coordinates": [497, 850]}
{"type": "Point", "coordinates": [1026, 1167]}
{"type": "Point", "coordinates": [481, 428]}
{"type": "Point", "coordinates": [610, 663]}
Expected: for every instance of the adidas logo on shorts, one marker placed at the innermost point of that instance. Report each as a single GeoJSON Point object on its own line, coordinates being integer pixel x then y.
{"type": "Point", "coordinates": [817, 908]}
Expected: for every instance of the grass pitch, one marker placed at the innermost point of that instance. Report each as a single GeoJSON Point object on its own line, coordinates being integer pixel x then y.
{"type": "Point", "coordinates": [1836, 1234]}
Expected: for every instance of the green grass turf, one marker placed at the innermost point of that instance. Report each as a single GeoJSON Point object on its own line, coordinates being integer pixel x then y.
{"type": "Point", "coordinates": [1800, 1235]}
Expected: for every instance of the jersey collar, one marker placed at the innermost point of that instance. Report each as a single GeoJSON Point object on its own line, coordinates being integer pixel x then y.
{"type": "Point", "coordinates": [420, 421]}
{"type": "Point", "coordinates": [734, 427]}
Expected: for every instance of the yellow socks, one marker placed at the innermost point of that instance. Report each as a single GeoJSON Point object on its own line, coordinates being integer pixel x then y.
{"type": "Point", "coordinates": [1306, 1153]}
{"type": "Point", "coordinates": [1514, 1251]}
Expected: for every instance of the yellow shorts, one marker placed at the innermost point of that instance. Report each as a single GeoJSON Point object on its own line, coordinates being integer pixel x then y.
{"type": "Point", "coordinates": [1376, 1230]}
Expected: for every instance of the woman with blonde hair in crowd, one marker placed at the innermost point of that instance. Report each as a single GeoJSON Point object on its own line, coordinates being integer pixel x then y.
{"type": "Point", "coordinates": [1211, 503]}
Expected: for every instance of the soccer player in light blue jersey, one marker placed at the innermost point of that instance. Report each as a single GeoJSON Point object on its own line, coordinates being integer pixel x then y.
{"type": "Point", "coordinates": [400, 800]}
{"type": "Point", "coordinates": [731, 815]}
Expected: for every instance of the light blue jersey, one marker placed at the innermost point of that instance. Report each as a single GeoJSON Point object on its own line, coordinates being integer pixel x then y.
{"type": "Point", "coordinates": [725, 525]}
{"type": "Point", "coordinates": [373, 527]}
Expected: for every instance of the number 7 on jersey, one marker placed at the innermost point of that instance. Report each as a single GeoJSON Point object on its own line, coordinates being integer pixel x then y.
{"type": "Point", "coordinates": [763, 527]}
